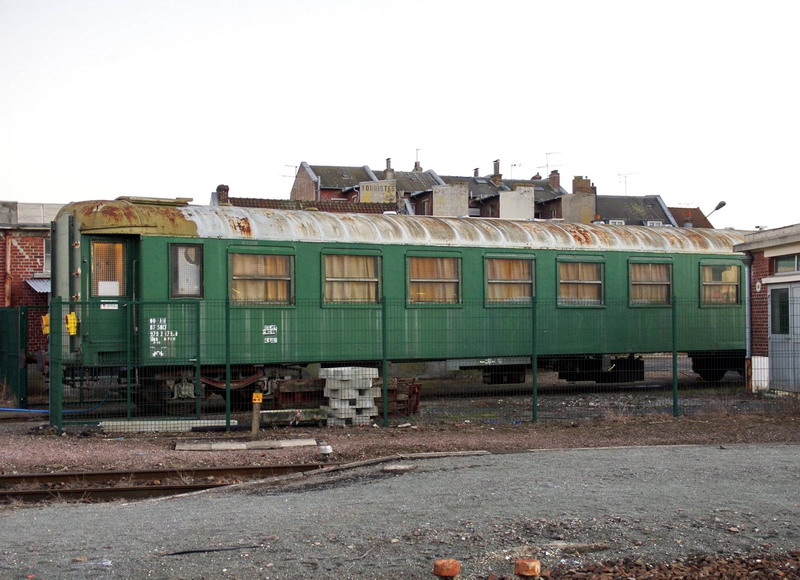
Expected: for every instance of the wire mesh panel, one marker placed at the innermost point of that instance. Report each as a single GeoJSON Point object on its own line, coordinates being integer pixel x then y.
{"type": "Point", "coordinates": [508, 358]}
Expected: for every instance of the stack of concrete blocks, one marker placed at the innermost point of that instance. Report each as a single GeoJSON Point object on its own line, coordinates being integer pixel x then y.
{"type": "Point", "coordinates": [350, 394]}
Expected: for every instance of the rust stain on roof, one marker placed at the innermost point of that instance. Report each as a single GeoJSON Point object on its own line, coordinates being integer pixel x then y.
{"type": "Point", "coordinates": [230, 222]}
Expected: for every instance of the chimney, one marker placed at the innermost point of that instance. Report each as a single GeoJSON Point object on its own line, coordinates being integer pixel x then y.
{"type": "Point", "coordinates": [222, 195]}
{"type": "Point", "coordinates": [584, 185]}
{"type": "Point", "coordinates": [476, 172]}
{"type": "Point", "coordinates": [497, 177]}
{"type": "Point", "coordinates": [389, 170]}
{"type": "Point", "coordinates": [554, 179]}
{"type": "Point", "coordinates": [417, 167]}
{"type": "Point", "coordinates": [537, 176]}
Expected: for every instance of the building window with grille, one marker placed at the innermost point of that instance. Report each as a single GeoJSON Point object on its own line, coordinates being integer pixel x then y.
{"type": "Point", "coordinates": [786, 264]}
{"type": "Point", "coordinates": [261, 278]}
{"type": "Point", "coordinates": [434, 280]}
{"type": "Point", "coordinates": [650, 283]}
{"type": "Point", "coordinates": [351, 279]}
{"type": "Point", "coordinates": [719, 284]}
{"type": "Point", "coordinates": [509, 280]}
{"type": "Point", "coordinates": [108, 269]}
{"type": "Point", "coordinates": [580, 284]}
{"type": "Point", "coordinates": [186, 271]}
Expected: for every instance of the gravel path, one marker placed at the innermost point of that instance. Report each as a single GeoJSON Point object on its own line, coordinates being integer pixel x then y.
{"type": "Point", "coordinates": [568, 506]}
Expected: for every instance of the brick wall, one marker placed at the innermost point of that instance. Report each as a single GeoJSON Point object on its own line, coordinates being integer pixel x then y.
{"type": "Point", "coordinates": [759, 305]}
{"type": "Point", "coordinates": [26, 260]}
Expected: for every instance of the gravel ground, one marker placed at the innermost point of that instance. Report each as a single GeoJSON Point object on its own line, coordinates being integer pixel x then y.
{"type": "Point", "coordinates": [718, 492]}
{"type": "Point", "coordinates": [569, 508]}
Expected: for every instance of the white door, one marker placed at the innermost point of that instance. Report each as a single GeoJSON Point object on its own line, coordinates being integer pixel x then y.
{"type": "Point", "coordinates": [784, 337]}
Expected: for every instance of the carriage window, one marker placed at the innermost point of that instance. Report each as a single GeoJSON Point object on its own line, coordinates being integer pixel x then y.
{"type": "Point", "coordinates": [261, 278]}
{"type": "Point", "coordinates": [651, 283]}
{"type": "Point", "coordinates": [509, 280]}
{"type": "Point", "coordinates": [720, 284]}
{"type": "Point", "coordinates": [108, 269]}
{"type": "Point", "coordinates": [580, 283]}
{"type": "Point", "coordinates": [186, 270]}
{"type": "Point", "coordinates": [351, 279]}
{"type": "Point", "coordinates": [434, 280]}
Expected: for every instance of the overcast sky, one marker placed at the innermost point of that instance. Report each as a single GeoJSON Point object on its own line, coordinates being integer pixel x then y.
{"type": "Point", "coordinates": [694, 101]}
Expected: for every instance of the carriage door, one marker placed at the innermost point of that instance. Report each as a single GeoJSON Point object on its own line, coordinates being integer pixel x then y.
{"type": "Point", "coordinates": [784, 337]}
{"type": "Point", "coordinates": [109, 295]}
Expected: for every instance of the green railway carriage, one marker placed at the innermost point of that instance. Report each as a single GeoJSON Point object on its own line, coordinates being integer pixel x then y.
{"type": "Point", "coordinates": [155, 287]}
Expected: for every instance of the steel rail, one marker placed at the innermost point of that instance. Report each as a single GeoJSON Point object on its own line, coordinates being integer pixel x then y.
{"type": "Point", "coordinates": [95, 494]}
{"type": "Point", "coordinates": [249, 471]}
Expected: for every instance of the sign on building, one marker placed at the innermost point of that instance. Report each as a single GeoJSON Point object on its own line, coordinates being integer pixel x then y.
{"type": "Point", "coordinates": [378, 191]}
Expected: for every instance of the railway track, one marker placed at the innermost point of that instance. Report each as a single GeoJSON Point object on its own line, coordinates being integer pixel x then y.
{"type": "Point", "coordinates": [115, 485]}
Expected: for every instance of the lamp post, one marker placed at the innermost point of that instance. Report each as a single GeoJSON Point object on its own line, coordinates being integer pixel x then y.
{"type": "Point", "coordinates": [720, 205]}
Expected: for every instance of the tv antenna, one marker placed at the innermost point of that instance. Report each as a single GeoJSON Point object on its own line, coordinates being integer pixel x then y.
{"type": "Point", "coordinates": [294, 169]}
{"type": "Point", "coordinates": [547, 165]}
{"type": "Point", "coordinates": [623, 177]}
{"type": "Point", "coordinates": [511, 171]}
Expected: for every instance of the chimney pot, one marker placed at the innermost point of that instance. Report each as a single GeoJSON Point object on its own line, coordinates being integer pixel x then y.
{"type": "Point", "coordinates": [476, 172]}
{"type": "Point", "coordinates": [222, 194]}
{"type": "Point", "coordinates": [554, 179]}
{"type": "Point", "coordinates": [417, 166]}
{"type": "Point", "coordinates": [388, 163]}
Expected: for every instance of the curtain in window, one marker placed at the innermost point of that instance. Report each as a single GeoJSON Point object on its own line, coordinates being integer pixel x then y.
{"type": "Point", "coordinates": [509, 280]}
{"type": "Point", "coordinates": [260, 278]}
{"type": "Point", "coordinates": [433, 280]}
{"type": "Point", "coordinates": [580, 282]}
{"type": "Point", "coordinates": [650, 283]}
{"type": "Point", "coordinates": [720, 284]}
{"type": "Point", "coordinates": [108, 269]}
{"type": "Point", "coordinates": [351, 279]}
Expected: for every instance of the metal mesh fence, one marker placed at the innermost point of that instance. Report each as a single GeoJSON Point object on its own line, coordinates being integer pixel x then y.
{"type": "Point", "coordinates": [174, 365]}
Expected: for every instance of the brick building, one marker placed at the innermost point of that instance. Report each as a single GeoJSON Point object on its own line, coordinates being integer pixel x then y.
{"type": "Point", "coordinates": [25, 255]}
{"type": "Point", "coordinates": [774, 307]}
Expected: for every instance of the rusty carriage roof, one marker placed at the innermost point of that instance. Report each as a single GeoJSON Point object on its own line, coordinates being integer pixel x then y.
{"type": "Point", "coordinates": [157, 218]}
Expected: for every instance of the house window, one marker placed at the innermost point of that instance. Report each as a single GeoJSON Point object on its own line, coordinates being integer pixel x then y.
{"type": "Point", "coordinates": [509, 280]}
{"type": "Point", "coordinates": [261, 278]}
{"type": "Point", "coordinates": [434, 280]}
{"type": "Point", "coordinates": [46, 261]}
{"type": "Point", "coordinates": [580, 283]}
{"type": "Point", "coordinates": [784, 264]}
{"type": "Point", "coordinates": [108, 269]}
{"type": "Point", "coordinates": [616, 222]}
{"type": "Point", "coordinates": [650, 283]}
{"type": "Point", "coordinates": [720, 284]}
{"type": "Point", "coordinates": [351, 279]}
{"type": "Point", "coordinates": [186, 270]}
{"type": "Point", "coordinates": [654, 223]}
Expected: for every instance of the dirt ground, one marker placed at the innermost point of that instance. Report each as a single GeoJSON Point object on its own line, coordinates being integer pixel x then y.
{"type": "Point", "coordinates": [32, 446]}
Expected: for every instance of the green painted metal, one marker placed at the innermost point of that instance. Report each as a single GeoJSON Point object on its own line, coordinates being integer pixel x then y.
{"type": "Point", "coordinates": [309, 331]}
{"type": "Point", "coordinates": [56, 367]}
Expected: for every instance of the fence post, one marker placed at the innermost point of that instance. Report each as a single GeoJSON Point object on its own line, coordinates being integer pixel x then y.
{"type": "Point", "coordinates": [198, 385]}
{"type": "Point", "coordinates": [384, 363]}
{"type": "Point", "coordinates": [22, 358]}
{"type": "Point", "coordinates": [534, 364]}
{"type": "Point", "coordinates": [129, 342]}
{"type": "Point", "coordinates": [675, 409]}
{"type": "Point", "coordinates": [228, 364]}
{"type": "Point", "coordinates": [56, 369]}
